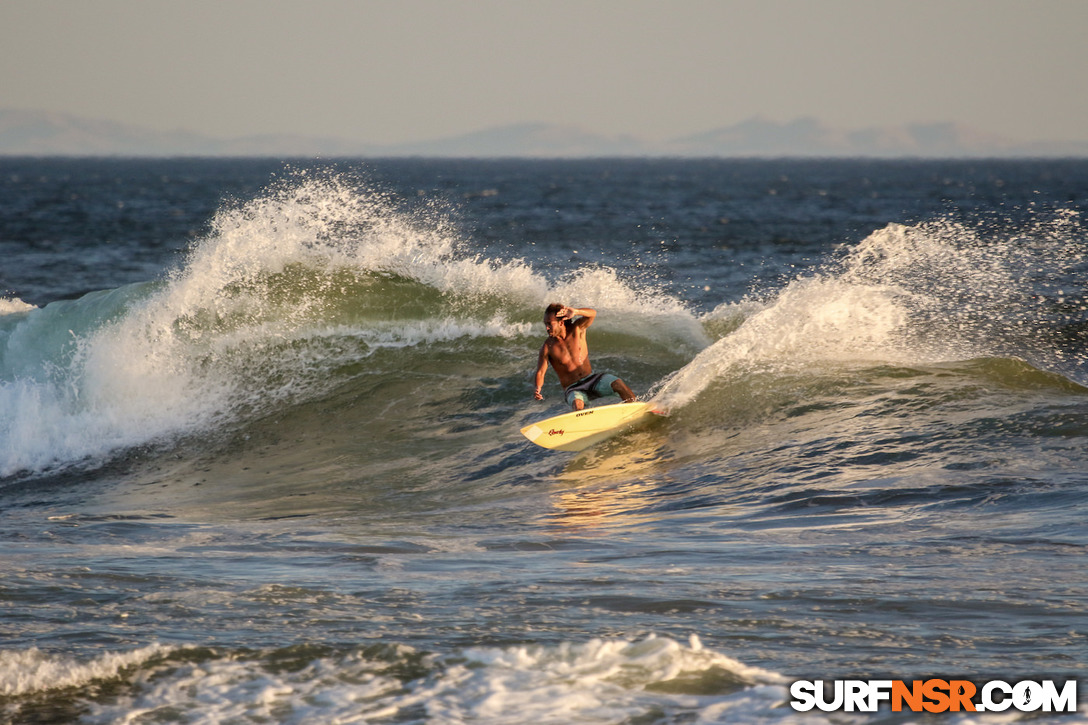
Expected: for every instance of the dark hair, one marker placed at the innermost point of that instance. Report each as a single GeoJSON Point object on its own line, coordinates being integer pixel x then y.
{"type": "Point", "coordinates": [553, 309]}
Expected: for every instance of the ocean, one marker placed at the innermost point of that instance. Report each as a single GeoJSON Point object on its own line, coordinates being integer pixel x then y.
{"type": "Point", "coordinates": [260, 460]}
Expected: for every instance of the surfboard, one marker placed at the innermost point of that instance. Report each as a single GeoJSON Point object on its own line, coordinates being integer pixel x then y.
{"type": "Point", "coordinates": [580, 429]}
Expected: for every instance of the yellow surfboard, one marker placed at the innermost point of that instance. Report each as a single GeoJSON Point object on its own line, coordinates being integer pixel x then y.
{"type": "Point", "coordinates": [580, 429]}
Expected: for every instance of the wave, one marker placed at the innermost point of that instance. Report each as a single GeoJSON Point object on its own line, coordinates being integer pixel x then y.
{"type": "Point", "coordinates": [914, 295]}
{"type": "Point", "coordinates": [323, 279]}
{"type": "Point", "coordinates": [286, 297]}
{"type": "Point", "coordinates": [592, 681]}
{"type": "Point", "coordinates": [27, 672]}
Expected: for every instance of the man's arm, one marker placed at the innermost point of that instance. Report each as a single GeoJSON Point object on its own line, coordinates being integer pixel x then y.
{"type": "Point", "coordinates": [585, 316]}
{"type": "Point", "coordinates": [541, 369]}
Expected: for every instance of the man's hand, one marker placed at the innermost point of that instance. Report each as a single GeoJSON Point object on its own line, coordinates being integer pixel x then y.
{"type": "Point", "coordinates": [565, 314]}
{"type": "Point", "coordinates": [537, 395]}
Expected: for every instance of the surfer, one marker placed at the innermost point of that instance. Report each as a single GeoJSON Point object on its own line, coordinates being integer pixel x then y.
{"type": "Point", "coordinates": [567, 351]}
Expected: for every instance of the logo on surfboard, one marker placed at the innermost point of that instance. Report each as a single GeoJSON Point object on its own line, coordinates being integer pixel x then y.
{"type": "Point", "coordinates": [554, 432]}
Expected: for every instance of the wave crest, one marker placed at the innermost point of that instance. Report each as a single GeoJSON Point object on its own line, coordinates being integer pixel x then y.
{"type": "Point", "coordinates": [933, 292]}
{"type": "Point", "coordinates": [286, 291]}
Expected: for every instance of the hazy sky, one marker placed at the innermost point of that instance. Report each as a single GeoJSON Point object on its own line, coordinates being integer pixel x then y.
{"type": "Point", "coordinates": [386, 71]}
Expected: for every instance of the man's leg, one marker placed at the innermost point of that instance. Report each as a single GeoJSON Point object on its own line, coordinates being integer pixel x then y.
{"type": "Point", "coordinates": [623, 391]}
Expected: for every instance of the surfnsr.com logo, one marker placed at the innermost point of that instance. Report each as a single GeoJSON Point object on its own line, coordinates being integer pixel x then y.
{"type": "Point", "coordinates": [933, 695]}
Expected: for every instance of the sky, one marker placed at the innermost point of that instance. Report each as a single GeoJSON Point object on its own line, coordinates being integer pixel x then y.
{"type": "Point", "coordinates": [398, 71]}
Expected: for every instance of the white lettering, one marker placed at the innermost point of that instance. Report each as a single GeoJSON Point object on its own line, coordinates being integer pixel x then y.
{"type": "Point", "coordinates": [804, 698]}
{"type": "Point", "coordinates": [1065, 701]}
{"type": "Point", "coordinates": [1027, 696]}
{"type": "Point", "coordinates": [822, 703]}
{"type": "Point", "coordinates": [988, 700]}
{"type": "Point", "coordinates": [879, 690]}
{"type": "Point", "coordinates": [855, 695]}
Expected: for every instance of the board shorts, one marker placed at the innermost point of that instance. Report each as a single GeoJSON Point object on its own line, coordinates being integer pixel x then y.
{"type": "Point", "coordinates": [591, 387]}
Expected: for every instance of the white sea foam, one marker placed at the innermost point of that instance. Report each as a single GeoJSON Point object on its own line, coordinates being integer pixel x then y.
{"type": "Point", "coordinates": [12, 305]}
{"type": "Point", "coordinates": [27, 671]}
{"type": "Point", "coordinates": [651, 314]}
{"type": "Point", "coordinates": [427, 332]}
{"type": "Point", "coordinates": [812, 320]}
{"type": "Point", "coordinates": [938, 291]}
{"type": "Point", "coordinates": [593, 681]}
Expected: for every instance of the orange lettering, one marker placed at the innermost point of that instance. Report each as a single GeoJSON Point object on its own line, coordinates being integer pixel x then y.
{"type": "Point", "coordinates": [935, 691]}
{"type": "Point", "coordinates": [961, 692]}
{"type": "Point", "coordinates": [913, 696]}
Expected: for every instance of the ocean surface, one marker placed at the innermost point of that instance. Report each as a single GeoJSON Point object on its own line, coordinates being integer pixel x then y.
{"type": "Point", "coordinates": [260, 460]}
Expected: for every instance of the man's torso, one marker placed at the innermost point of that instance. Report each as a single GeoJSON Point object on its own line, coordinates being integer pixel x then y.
{"type": "Point", "coordinates": [569, 357]}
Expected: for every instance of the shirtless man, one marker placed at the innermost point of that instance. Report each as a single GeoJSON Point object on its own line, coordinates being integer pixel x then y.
{"type": "Point", "coordinates": [568, 353]}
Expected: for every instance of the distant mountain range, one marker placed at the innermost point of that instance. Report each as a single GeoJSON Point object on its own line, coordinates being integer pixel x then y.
{"type": "Point", "coordinates": [55, 134]}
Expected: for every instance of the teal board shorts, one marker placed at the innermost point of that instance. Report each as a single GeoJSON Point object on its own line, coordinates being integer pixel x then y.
{"type": "Point", "coordinates": [591, 387]}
